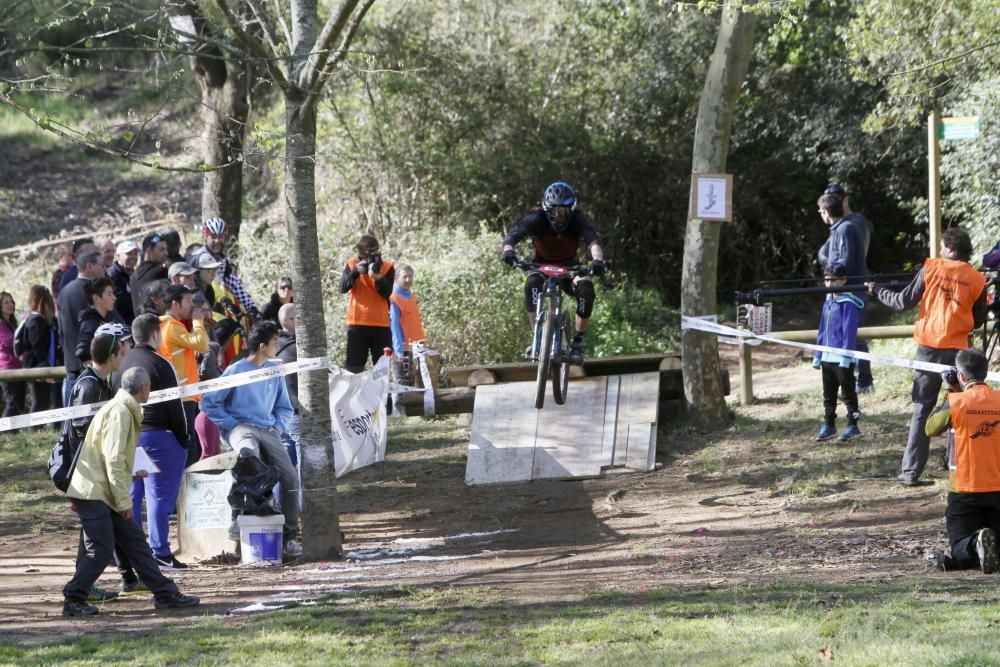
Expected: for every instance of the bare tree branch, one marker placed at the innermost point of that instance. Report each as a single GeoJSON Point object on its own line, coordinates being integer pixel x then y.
{"type": "Point", "coordinates": [327, 37]}
{"type": "Point", "coordinates": [261, 17]}
{"type": "Point", "coordinates": [957, 56]}
{"type": "Point", "coordinates": [272, 60]}
{"type": "Point", "coordinates": [281, 21]}
{"type": "Point", "coordinates": [80, 139]}
{"type": "Point", "coordinates": [317, 87]}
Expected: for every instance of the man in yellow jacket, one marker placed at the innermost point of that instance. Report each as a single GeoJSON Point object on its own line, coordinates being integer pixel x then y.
{"type": "Point", "coordinates": [99, 491]}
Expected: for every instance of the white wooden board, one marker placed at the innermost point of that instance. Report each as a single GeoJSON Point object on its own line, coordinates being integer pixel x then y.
{"type": "Point", "coordinates": [502, 445]}
{"type": "Point", "coordinates": [606, 421]}
{"type": "Point", "coordinates": [569, 440]}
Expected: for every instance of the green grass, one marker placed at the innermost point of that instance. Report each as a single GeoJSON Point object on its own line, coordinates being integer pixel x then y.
{"type": "Point", "coordinates": [939, 622]}
{"type": "Point", "coordinates": [28, 500]}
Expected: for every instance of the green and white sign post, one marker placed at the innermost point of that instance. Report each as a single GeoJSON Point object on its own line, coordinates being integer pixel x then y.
{"type": "Point", "coordinates": [956, 128]}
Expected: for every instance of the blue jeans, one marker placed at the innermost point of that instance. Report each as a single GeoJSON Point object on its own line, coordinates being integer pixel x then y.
{"type": "Point", "coordinates": [161, 488]}
{"type": "Point", "coordinates": [67, 385]}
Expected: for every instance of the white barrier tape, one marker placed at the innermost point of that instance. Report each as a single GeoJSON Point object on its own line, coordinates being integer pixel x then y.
{"type": "Point", "coordinates": [420, 354]}
{"type": "Point", "coordinates": [701, 324]}
{"type": "Point", "coordinates": [208, 386]}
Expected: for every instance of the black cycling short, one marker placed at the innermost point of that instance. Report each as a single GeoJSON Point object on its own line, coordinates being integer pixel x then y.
{"type": "Point", "coordinates": [582, 291]}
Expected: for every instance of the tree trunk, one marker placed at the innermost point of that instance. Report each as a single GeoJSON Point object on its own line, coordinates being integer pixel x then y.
{"type": "Point", "coordinates": [320, 524]}
{"type": "Point", "coordinates": [700, 351]}
{"type": "Point", "coordinates": [225, 107]}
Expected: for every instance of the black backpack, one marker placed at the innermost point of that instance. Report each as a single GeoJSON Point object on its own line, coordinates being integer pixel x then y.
{"type": "Point", "coordinates": [62, 461]}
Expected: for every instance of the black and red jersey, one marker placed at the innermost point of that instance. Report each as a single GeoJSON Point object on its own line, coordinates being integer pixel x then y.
{"type": "Point", "coordinates": [550, 245]}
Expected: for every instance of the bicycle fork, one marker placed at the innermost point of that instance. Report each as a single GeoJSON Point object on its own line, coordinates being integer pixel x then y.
{"type": "Point", "coordinates": [548, 300]}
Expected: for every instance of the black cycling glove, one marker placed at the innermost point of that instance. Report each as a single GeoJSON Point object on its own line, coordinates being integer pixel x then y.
{"type": "Point", "coordinates": [598, 268]}
{"type": "Point", "coordinates": [508, 257]}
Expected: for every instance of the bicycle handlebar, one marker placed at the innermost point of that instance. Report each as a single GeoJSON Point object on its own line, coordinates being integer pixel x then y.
{"type": "Point", "coordinates": [575, 270]}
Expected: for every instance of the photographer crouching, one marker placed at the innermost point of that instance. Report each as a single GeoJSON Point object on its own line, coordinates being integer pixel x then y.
{"type": "Point", "coordinates": [972, 518]}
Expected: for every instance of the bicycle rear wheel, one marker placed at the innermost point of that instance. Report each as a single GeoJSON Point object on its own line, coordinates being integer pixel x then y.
{"type": "Point", "coordinates": [560, 369]}
{"type": "Point", "coordinates": [544, 355]}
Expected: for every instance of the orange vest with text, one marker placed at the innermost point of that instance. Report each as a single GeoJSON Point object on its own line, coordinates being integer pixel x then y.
{"type": "Point", "coordinates": [409, 318]}
{"type": "Point", "coordinates": [179, 347]}
{"type": "Point", "coordinates": [950, 289]}
{"type": "Point", "coordinates": [975, 416]}
{"type": "Point", "coordinates": [366, 307]}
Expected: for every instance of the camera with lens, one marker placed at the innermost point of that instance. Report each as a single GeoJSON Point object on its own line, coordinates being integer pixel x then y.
{"type": "Point", "coordinates": [950, 377]}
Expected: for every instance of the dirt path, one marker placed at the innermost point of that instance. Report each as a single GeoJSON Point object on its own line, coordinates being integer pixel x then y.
{"type": "Point", "coordinates": [757, 504]}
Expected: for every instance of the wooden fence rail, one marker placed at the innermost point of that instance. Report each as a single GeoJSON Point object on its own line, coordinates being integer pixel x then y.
{"type": "Point", "coordinates": [807, 336]}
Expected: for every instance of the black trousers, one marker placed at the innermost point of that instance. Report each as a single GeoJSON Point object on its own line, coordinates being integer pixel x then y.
{"type": "Point", "coordinates": [102, 530]}
{"type": "Point", "coordinates": [13, 398]}
{"type": "Point", "coordinates": [362, 341]}
{"type": "Point", "coordinates": [836, 378]}
{"type": "Point", "coordinates": [193, 445]}
{"type": "Point", "coordinates": [966, 514]}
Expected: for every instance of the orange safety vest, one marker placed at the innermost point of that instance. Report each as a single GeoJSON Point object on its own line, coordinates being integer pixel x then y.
{"type": "Point", "coordinates": [409, 318]}
{"type": "Point", "coordinates": [975, 416]}
{"type": "Point", "coordinates": [182, 358]}
{"type": "Point", "coordinates": [366, 307]}
{"type": "Point", "coordinates": [950, 289]}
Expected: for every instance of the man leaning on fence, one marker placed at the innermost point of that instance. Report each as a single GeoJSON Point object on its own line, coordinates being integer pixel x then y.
{"type": "Point", "coordinates": [952, 299]}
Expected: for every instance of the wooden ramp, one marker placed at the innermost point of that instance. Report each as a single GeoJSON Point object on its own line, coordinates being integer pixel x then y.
{"type": "Point", "coordinates": [606, 421]}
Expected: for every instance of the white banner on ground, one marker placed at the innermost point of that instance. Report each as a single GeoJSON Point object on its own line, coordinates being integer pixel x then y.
{"type": "Point", "coordinates": [358, 412]}
{"type": "Point", "coordinates": [702, 324]}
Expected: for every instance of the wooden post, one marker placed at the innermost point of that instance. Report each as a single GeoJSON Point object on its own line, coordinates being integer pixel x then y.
{"type": "Point", "coordinates": [746, 374]}
{"type": "Point", "coordinates": [934, 182]}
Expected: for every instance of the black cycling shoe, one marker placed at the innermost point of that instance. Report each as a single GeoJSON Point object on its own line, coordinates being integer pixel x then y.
{"type": "Point", "coordinates": [575, 356]}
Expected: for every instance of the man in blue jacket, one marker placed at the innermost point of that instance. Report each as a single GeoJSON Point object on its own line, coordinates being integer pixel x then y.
{"type": "Point", "coordinates": [847, 245]}
{"type": "Point", "coordinates": [838, 327]}
{"type": "Point", "coordinates": [254, 415]}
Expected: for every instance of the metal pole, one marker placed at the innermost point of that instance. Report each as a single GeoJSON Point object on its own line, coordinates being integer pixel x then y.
{"type": "Point", "coordinates": [746, 374]}
{"type": "Point", "coordinates": [934, 182]}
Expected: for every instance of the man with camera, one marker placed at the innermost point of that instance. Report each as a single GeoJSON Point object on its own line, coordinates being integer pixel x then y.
{"type": "Point", "coordinates": [368, 279]}
{"type": "Point", "coordinates": [952, 299]}
{"type": "Point", "coordinates": [973, 514]}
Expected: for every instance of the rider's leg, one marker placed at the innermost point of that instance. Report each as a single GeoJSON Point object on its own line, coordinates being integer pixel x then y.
{"type": "Point", "coordinates": [533, 286]}
{"type": "Point", "coordinates": [584, 289]}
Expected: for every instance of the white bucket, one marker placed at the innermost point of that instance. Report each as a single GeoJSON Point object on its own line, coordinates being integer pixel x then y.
{"type": "Point", "coordinates": [261, 539]}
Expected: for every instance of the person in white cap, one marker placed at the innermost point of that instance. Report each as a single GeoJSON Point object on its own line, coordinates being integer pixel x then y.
{"type": "Point", "coordinates": [126, 257]}
{"type": "Point", "coordinates": [206, 266]}
{"type": "Point", "coordinates": [182, 273]}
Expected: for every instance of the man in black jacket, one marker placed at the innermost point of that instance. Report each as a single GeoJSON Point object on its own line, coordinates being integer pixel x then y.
{"type": "Point", "coordinates": [154, 254]}
{"type": "Point", "coordinates": [164, 429]}
{"type": "Point", "coordinates": [100, 297]}
{"type": "Point", "coordinates": [72, 302]}
{"type": "Point", "coordinates": [126, 257]}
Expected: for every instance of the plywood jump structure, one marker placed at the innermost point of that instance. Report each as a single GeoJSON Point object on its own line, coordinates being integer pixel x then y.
{"type": "Point", "coordinates": [606, 421]}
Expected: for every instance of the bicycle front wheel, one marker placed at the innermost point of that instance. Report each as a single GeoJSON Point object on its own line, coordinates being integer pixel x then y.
{"type": "Point", "coordinates": [560, 368]}
{"type": "Point", "coordinates": [544, 356]}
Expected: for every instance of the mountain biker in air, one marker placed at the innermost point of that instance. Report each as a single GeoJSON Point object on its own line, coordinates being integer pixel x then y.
{"type": "Point", "coordinates": [556, 230]}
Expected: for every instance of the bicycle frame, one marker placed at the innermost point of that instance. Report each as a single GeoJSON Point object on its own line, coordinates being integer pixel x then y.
{"type": "Point", "coordinates": [551, 294]}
